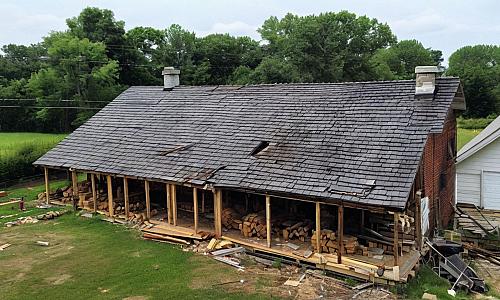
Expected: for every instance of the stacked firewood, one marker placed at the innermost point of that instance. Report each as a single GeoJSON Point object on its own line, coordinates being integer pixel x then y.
{"type": "Point", "coordinates": [329, 243]}
{"type": "Point", "coordinates": [300, 230]}
{"type": "Point", "coordinates": [231, 219]}
{"type": "Point", "coordinates": [254, 225]}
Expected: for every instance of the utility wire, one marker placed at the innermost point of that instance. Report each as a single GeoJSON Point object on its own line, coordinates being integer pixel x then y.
{"type": "Point", "coordinates": [53, 100]}
{"type": "Point", "coordinates": [51, 107]}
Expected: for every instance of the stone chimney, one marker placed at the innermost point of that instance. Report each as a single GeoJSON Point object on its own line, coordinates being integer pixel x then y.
{"type": "Point", "coordinates": [170, 78]}
{"type": "Point", "coordinates": [426, 80]}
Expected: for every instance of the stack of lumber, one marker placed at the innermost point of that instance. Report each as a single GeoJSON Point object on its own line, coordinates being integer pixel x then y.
{"type": "Point", "coordinates": [300, 230]}
{"type": "Point", "coordinates": [172, 234]}
{"type": "Point", "coordinates": [329, 242]}
{"type": "Point", "coordinates": [254, 225]}
{"type": "Point", "coordinates": [231, 219]}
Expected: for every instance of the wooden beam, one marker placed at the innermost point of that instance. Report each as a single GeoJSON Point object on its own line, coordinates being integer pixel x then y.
{"type": "Point", "coordinates": [195, 209]}
{"type": "Point", "coordinates": [396, 239]}
{"type": "Point", "coordinates": [125, 197]}
{"type": "Point", "coordinates": [218, 213]}
{"type": "Point", "coordinates": [148, 199]}
{"type": "Point", "coordinates": [94, 191]}
{"type": "Point", "coordinates": [74, 182]}
{"type": "Point", "coordinates": [340, 233]}
{"type": "Point", "coordinates": [418, 219]}
{"type": "Point", "coordinates": [268, 220]}
{"type": "Point", "coordinates": [318, 227]}
{"type": "Point", "coordinates": [47, 187]}
{"type": "Point", "coordinates": [174, 203]}
{"type": "Point", "coordinates": [169, 203]}
{"type": "Point", "coordinates": [110, 195]}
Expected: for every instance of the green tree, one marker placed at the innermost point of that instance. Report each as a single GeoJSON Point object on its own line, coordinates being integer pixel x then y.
{"type": "Point", "coordinates": [479, 70]}
{"type": "Point", "coordinates": [399, 60]}
{"type": "Point", "coordinates": [330, 47]}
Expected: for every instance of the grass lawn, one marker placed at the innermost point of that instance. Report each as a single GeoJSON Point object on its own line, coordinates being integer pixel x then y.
{"type": "Point", "coordinates": [89, 258]}
{"type": "Point", "coordinates": [465, 135]}
{"type": "Point", "coordinates": [11, 141]}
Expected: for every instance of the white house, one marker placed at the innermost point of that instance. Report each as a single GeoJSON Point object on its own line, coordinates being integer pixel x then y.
{"type": "Point", "coordinates": [478, 169]}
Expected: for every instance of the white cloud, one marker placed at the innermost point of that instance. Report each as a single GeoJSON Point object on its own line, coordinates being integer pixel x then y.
{"type": "Point", "coordinates": [238, 28]}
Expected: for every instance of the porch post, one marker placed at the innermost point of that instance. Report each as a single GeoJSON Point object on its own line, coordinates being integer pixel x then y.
{"type": "Point", "coordinates": [395, 247]}
{"type": "Point", "coordinates": [195, 209]}
{"type": "Point", "coordinates": [94, 192]}
{"type": "Point", "coordinates": [47, 187]}
{"type": "Point", "coordinates": [74, 182]}
{"type": "Point", "coordinates": [217, 213]}
{"type": "Point", "coordinates": [110, 195]}
{"type": "Point", "coordinates": [169, 203]}
{"type": "Point", "coordinates": [173, 197]}
{"type": "Point", "coordinates": [268, 220]}
{"type": "Point", "coordinates": [125, 197]}
{"type": "Point", "coordinates": [340, 230]}
{"type": "Point", "coordinates": [318, 227]}
{"type": "Point", "coordinates": [148, 200]}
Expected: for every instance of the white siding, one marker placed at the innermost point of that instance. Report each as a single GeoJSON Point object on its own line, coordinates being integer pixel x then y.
{"type": "Point", "coordinates": [491, 190]}
{"type": "Point", "coordinates": [469, 173]}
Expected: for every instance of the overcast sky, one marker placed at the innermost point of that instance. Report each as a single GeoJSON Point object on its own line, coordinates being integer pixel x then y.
{"type": "Point", "coordinates": [441, 24]}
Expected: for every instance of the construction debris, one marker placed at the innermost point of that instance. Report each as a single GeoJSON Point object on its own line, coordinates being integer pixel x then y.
{"type": "Point", "coordinates": [42, 243]}
{"type": "Point", "coordinates": [3, 194]}
{"type": "Point", "coordinates": [223, 252]}
{"type": "Point", "coordinates": [31, 220]}
{"type": "Point", "coordinates": [230, 261]}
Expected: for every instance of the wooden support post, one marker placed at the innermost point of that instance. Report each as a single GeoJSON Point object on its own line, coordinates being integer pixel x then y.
{"type": "Point", "coordinates": [318, 227]}
{"type": "Point", "coordinates": [47, 187]}
{"type": "Point", "coordinates": [418, 220]}
{"type": "Point", "coordinates": [340, 232]}
{"type": "Point", "coordinates": [148, 199]}
{"type": "Point", "coordinates": [396, 239]}
{"type": "Point", "coordinates": [94, 192]}
{"type": "Point", "coordinates": [125, 197]}
{"type": "Point", "coordinates": [218, 213]}
{"type": "Point", "coordinates": [169, 203]}
{"type": "Point", "coordinates": [195, 209]}
{"type": "Point", "coordinates": [74, 182]}
{"type": "Point", "coordinates": [268, 220]}
{"type": "Point", "coordinates": [173, 196]}
{"type": "Point", "coordinates": [110, 196]}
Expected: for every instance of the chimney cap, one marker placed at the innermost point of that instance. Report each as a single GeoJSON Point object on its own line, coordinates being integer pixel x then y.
{"type": "Point", "coordinates": [427, 69]}
{"type": "Point", "coordinates": [170, 71]}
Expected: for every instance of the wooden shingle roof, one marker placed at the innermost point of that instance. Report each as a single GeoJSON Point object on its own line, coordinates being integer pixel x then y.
{"type": "Point", "coordinates": [357, 142]}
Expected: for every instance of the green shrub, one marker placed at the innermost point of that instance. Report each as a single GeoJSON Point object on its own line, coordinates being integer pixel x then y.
{"type": "Point", "coordinates": [480, 123]}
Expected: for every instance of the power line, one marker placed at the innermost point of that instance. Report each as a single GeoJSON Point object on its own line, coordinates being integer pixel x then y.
{"type": "Point", "coordinates": [51, 107]}
{"type": "Point", "coordinates": [58, 100]}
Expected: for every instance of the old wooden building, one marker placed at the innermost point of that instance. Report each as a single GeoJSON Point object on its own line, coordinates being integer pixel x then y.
{"type": "Point", "coordinates": [352, 174]}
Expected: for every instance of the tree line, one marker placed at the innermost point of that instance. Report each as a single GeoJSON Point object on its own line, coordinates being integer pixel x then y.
{"type": "Point", "coordinates": [69, 75]}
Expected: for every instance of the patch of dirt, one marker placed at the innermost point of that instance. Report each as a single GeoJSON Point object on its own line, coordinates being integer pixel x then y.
{"type": "Point", "coordinates": [136, 298]}
{"type": "Point", "coordinates": [59, 279]}
{"type": "Point", "coordinates": [489, 272]}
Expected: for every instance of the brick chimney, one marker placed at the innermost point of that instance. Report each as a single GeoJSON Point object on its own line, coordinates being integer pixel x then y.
{"type": "Point", "coordinates": [426, 80]}
{"type": "Point", "coordinates": [170, 78]}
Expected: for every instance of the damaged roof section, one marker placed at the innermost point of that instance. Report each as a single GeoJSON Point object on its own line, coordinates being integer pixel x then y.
{"type": "Point", "coordinates": [357, 142]}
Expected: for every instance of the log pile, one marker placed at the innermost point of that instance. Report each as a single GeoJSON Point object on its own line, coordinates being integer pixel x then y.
{"type": "Point", "coordinates": [231, 219]}
{"type": "Point", "coordinates": [329, 243]}
{"type": "Point", "coordinates": [254, 225]}
{"type": "Point", "coordinates": [297, 230]}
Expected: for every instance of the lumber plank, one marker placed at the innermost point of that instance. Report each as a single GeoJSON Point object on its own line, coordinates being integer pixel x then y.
{"type": "Point", "coordinates": [268, 220]}
{"type": "Point", "coordinates": [340, 227]}
{"type": "Point", "coordinates": [173, 197]}
{"type": "Point", "coordinates": [318, 227]}
{"type": "Point", "coordinates": [126, 196]}
{"type": "Point", "coordinates": [110, 195]}
{"type": "Point", "coordinates": [74, 181]}
{"type": "Point", "coordinates": [396, 241]}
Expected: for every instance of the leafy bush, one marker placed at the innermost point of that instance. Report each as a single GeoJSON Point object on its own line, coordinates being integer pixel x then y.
{"type": "Point", "coordinates": [479, 123]}
{"type": "Point", "coordinates": [19, 163]}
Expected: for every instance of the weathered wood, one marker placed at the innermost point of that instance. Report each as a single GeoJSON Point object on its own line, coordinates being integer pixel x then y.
{"type": "Point", "coordinates": [268, 220]}
{"type": "Point", "coordinates": [47, 187]}
{"type": "Point", "coordinates": [110, 195]}
{"type": "Point", "coordinates": [396, 241]}
{"type": "Point", "coordinates": [74, 181]}
{"type": "Point", "coordinates": [218, 213]}
{"type": "Point", "coordinates": [195, 209]}
{"type": "Point", "coordinates": [126, 196]}
{"type": "Point", "coordinates": [418, 219]}
{"type": "Point", "coordinates": [173, 197]}
{"type": "Point", "coordinates": [148, 199]}
{"type": "Point", "coordinates": [340, 239]}
{"type": "Point", "coordinates": [169, 203]}
{"type": "Point", "coordinates": [318, 227]}
{"type": "Point", "coordinates": [94, 191]}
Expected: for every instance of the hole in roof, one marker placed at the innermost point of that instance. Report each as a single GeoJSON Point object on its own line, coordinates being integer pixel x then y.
{"type": "Point", "coordinates": [260, 147]}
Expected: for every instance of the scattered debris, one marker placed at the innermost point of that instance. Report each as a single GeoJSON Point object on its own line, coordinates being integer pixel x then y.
{"type": "Point", "coordinates": [290, 282]}
{"type": "Point", "coordinates": [31, 220]}
{"type": "Point", "coordinates": [362, 286]}
{"type": "Point", "coordinates": [44, 206]}
{"type": "Point", "coordinates": [3, 194]}
{"type": "Point", "coordinates": [228, 282]}
{"type": "Point", "coordinates": [87, 215]}
{"type": "Point", "coordinates": [428, 296]}
{"type": "Point", "coordinates": [230, 261]}
{"type": "Point", "coordinates": [4, 246]}
{"type": "Point", "coordinates": [223, 252]}
{"type": "Point", "coordinates": [42, 243]}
